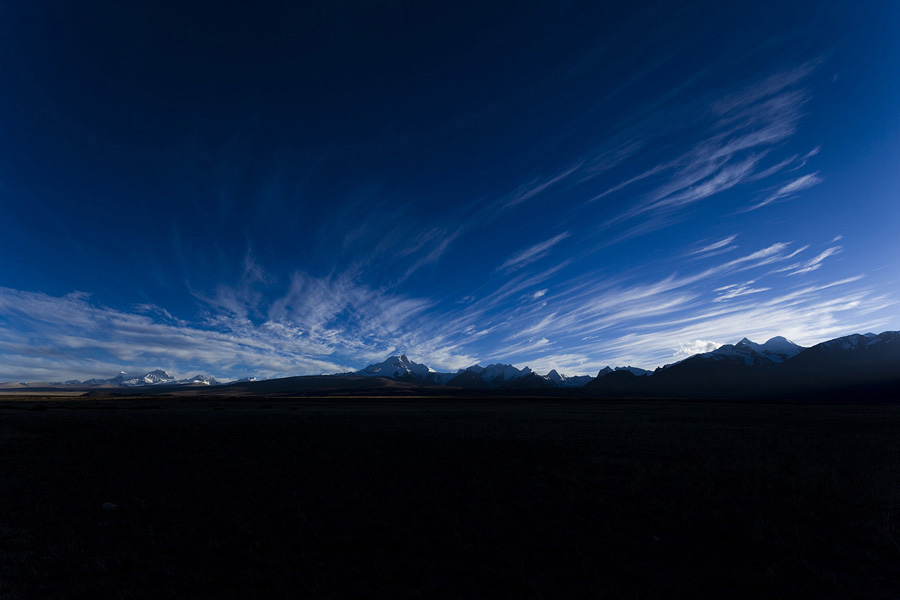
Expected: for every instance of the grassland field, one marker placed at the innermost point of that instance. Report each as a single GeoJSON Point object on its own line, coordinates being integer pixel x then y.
{"type": "Point", "coordinates": [447, 498]}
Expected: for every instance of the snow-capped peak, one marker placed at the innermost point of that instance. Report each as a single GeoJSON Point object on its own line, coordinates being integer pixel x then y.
{"type": "Point", "coordinates": [201, 379]}
{"type": "Point", "coordinates": [491, 375]}
{"type": "Point", "coordinates": [156, 377]}
{"type": "Point", "coordinates": [775, 350]}
{"type": "Point", "coordinates": [604, 371]}
{"type": "Point", "coordinates": [554, 377]}
{"type": "Point", "coordinates": [860, 341]}
{"type": "Point", "coordinates": [782, 346]}
{"type": "Point", "coordinates": [396, 366]}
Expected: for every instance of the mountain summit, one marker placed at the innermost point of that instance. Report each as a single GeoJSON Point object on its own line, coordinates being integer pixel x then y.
{"type": "Point", "coordinates": [156, 377]}
{"type": "Point", "coordinates": [395, 366]}
{"type": "Point", "coordinates": [400, 367]}
{"type": "Point", "coordinates": [749, 353]}
{"type": "Point", "coordinates": [493, 375]}
{"type": "Point", "coordinates": [778, 349]}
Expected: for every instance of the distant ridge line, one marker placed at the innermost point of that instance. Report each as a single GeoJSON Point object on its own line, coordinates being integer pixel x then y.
{"type": "Point", "coordinates": [857, 363]}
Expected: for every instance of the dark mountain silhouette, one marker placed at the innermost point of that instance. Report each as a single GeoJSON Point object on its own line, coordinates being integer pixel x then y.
{"type": "Point", "coordinates": [619, 383]}
{"type": "Point", "coordinates": [867, 361]}
{"type": "Point", "coordinates": [867, 364]}
{"type": "Point", "coordinates": [853, 366]}
{"type": "Point", "coordinates": [701, 377]}
{"type": "Point", "coordinates": [530, 381]}
{"type": "Point", "coordinates": [871, 354]}
{"type": "Point", "coordinates": [467, 379]}
{"type": "Point", "coordinates": [476, 380]}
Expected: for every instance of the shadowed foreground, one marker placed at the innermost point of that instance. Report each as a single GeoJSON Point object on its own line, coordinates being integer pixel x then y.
{"type": "Point", "coordinates": [431, 498]}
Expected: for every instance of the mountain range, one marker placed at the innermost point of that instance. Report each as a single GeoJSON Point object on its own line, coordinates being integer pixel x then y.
{"type": "Point", "coordinates": [496, 375]}
{"type": "Point", "coordinates": [744, 369]}
{"type": "Point", "coordinates": [123, 379]}
{"type": "Point", "coordinates": [851, 364]}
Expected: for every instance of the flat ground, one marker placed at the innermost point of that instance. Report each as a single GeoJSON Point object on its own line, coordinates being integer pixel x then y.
{"type": "Point", "coordinates": [442, 498]}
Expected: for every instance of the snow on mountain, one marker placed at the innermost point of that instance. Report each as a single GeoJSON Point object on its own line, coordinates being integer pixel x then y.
{"type": "Point", "coordinates": [401, 367]}
{"type": "Point", "coordinates": [558, 380]}
{"type": "Point", "coordinates": [200, 379]}
{"type": "Point", "coordinates": [778, 349]}
{"type": "Point", "coordinates": [853, 353]}
{"type": "Point", "coordinates": [395, 366]}
{"type": "Point", "coordinates": [122, 376]}
{"type": "Point", "coordinates": [152, 378]}
{"type": "Point", "coordinates": [491, 375]}
{"type": "Point", "coordinates": [554, 378]}
{"type": "Point", "coordinates": [846, 360]}
{"type": "Point", "coordinates": [505, 375]}
{"type": "Point", "coordinates": [499, 373]}
{"type": "Point", "coordinates": [858, 342]}
{"type": "Point", "coordinates": [741, 352]}
{"type": "Point", "coordinates": [157, 377]}
{"type": "Point", "coordinates": [851, 342]}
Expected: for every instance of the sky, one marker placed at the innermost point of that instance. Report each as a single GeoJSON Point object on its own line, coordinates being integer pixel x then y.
{"type": "Point", "coordinates": [268, 189]}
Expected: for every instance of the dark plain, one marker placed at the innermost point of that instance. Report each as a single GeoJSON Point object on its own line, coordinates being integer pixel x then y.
{"type": "Point", "coordinates": [444, 498]}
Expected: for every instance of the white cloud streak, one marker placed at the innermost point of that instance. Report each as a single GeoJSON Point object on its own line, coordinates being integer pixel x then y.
{"type": "Point", "coordinates": [811, 264]}
{"type": "Point", "coordinates": [741, 130]}
{"type": "Point", "coordinates": [537, 186]}
{"type": "Point", "coordinates": [789, 189]}
{"type": "Point", "coordinates": [736, 290]}
{"type": "Point", "coordinates": [532, 254]}
{"type": "Point", "coordinates": [334, 324]}
{"type": "Point", "coordinates": [720, 245]}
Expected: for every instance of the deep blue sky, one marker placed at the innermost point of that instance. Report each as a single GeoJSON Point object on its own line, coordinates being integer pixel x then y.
{"type": "Point", "coordinates": [280, 189]}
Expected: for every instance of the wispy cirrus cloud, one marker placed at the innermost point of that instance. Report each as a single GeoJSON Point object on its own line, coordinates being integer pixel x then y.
{"type": "Point", "coordinates": [740, 133]}
{"type": "Point", "coordinates": [719, 180]}
{"type": "Point", "coordinates": [89, 340]}
{"type": "Point", "coordinates": [532, 254]}
{"type": "Point", "coordinates": [564, 363]}
{"type": "Point", "coordinates": [616, 323]}
{"type": "Point", "coordinates": [805, 316]}
{"type": "Point", "coordinates": [332, 324]}
{"type": "Point", "coordinates": [811, 264]}
{"type": "Point", "coordinates": [797, 185]}
{"type": "Point", "coordinates": [305, 330]}
{"type": "Point", "coordinates": [510, 352]}
{"type": "Point", "coordinates": [715, 247]}
{"type": "Point", "coordinates": [735, 290]}
{"type": "Point", "coordinates": [767, 88]}
{"type": "Point", "coordinates": [537, 186]}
